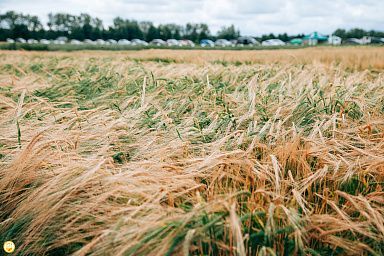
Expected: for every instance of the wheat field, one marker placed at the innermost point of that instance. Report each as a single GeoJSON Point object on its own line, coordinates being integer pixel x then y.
{"type": "Point", "coordinates": [171, 152]}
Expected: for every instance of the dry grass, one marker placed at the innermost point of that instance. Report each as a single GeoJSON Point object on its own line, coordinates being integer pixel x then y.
{"type": "Point", "coordinates": [202, 153]}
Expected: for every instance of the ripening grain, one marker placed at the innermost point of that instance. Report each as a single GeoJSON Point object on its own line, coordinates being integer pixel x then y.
{"type": "Point", "coordinates": [193, 152]}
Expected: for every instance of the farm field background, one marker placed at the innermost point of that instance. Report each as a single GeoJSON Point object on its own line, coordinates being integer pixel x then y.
{"type": "Point", "coordinates": [172, 152]}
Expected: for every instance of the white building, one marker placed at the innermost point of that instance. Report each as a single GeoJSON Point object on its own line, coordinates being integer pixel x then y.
{"type": "Point", "coordinates": [334, 40]}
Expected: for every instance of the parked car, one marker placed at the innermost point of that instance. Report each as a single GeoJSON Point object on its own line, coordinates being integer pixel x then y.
{"type": "Point", "coordinates": [138, 42]}
{"type": "Point", "coordinates": [100, 42]}
{"type": "Point", "coordinates": [10, 40]}
{"type": "Point", "coordinates": [233, 42]}
{"type": "Point", "coordinates": [186, 43]}
{"type": "Point", "coordinates": [173, 42]}
{"type": "Point", "coordinates": [111, 41]}
{"type": "Point", "coordinates": [75, 42]}
{"type": "Point", "coordinates": [123, 42]}
{"type": "Point", "coordinates": [158, 42]}
{"type": "Point", "coordinates": [353, 41]}
{"type": "Point", "coordinates": [45, 41]}
{"type": "Point", "coordinates": [247, 40]}
{"type": "Point", "coordinates": [32, 41]}
{"type": "Point", "coordinates": [62, 38]}
{"type": "Point", "coordinates": [207, 43]}
{"type": "Point", "coordinates": [223, 43]}
{"type": "Point", "coordinates": [273, 42]}
{"type": "Point", "coordinates": [21, 40]}
{"type": "Point", "coordinates": [58, 42]}
{"type": "Point", "coordinates": [89, 41]}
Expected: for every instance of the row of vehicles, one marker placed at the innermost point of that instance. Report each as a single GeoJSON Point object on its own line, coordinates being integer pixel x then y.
{"type": "Point", "coordinates": [156, 42]}
{"type": "Point", "coordinates": [241, 41]}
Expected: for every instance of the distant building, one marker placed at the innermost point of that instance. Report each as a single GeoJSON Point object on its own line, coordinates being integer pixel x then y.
{"type": "Point", "coordinates": [366, 40]}
{"type": "Point", "coordinates": [315, 38]}
{"type": "Point", "coordinates": [334, 40]}
{"type": "Point", "coordinates": [296, 41]}
{"type": "Point", "coordinates": [353, 41]}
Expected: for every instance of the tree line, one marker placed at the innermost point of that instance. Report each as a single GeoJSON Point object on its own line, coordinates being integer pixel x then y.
{"type": "Point", "coordinates": [84, 26]}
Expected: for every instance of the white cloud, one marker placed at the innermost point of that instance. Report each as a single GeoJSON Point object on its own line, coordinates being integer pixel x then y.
{"type": "Point", "coordinates": [252, 17]}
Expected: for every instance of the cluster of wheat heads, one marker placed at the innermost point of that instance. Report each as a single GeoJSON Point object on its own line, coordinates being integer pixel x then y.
{"type": "Point", "coordinates": [100, 155]}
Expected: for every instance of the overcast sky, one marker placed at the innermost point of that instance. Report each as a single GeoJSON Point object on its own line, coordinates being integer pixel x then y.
{"type": "Point", "coordinates": [252, 17]}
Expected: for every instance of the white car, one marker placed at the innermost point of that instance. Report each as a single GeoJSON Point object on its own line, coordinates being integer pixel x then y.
{"type": "Point", "coordinates": [158, 42]}
{"type": "Point", "coordinates": [123, 42]}
{"type": "Point", "coordinates": [112, 41]}
{"type": "Point", "coordinates": [186, 43]}
{"type": "Point", "coordinates": [32, 41]}
{"type": "Point", "coordinates": [45, 41]}
{"type": "Point", "coordinates": [223, 43]}
{"type": "Point", "coordinates": [75, 42]}
{"type": "Point", "coordinates": [100, 42]}
{"type": "Point", "coordinates": [10, 40]}
{"type": "Point", "coordinates": [89, 41]}
{"type": "Point", "coordinates": [21, 40]}
{"type": "Point", "coordinates": [62, 38]}
{"type": "Point", "coordinates": [273, 42]}
{"type": "Point", "coordinates": [58, 42]}
{"type": "Point", "coordinates": [173, 42]}
{"type": "Point", "coordinates": [138, 42]}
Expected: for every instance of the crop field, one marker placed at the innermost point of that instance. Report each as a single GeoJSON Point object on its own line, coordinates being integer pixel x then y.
{"type": "Point", "coordinates": [172, 152]}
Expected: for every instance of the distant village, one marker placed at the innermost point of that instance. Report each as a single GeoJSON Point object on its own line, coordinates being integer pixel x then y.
{"type": "Point", "coordinates": [83, 29]}
{"type": "Point", "coordinates": [312, 39]}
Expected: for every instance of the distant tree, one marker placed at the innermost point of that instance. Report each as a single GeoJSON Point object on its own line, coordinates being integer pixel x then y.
{"type": "Point", "coordinates": [15, 25]}
{"type": "Point", "coordinates": [340, 33]}
{"type": "Point", "coordinates": [266, 37]}
{"type": "Point", "coordinates": [152, 33]}
{"type": "Point", "coordinates": [228, 33]}
{"type": "Point", "coordinates": [83, 26]}
{"type": "Point", "coordinates": [283, 37]}
{"type": "Point", "coordinates": [203, 31]}
{"type": "Point", "coordinates": [126, 29]}
{"type": "Point", "coordinates": [356, 33]}
{"type": "Point", "coordinates": [144, 27]}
